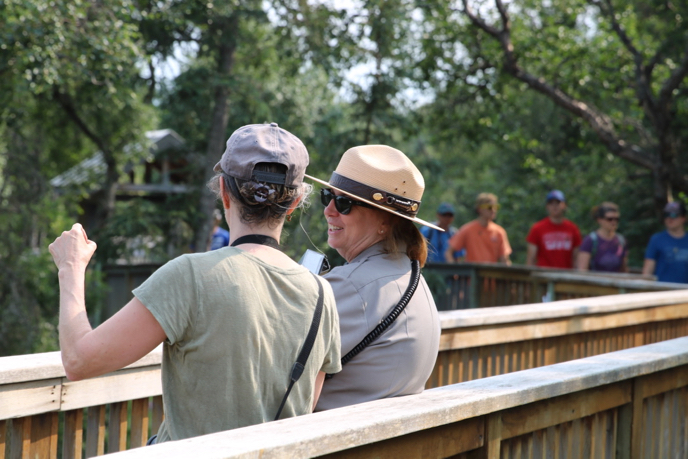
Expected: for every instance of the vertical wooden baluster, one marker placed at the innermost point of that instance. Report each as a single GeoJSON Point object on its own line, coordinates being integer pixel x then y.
{"type": "Point", "coordinates": [117, 427]}
{"type": "Point", "coordinates": [73, 435]}
{"type": "Point", "coordinates": [3, 438]}
{"type": "Point", "coordinates": [95, 431]}
{"type": "Point", "coordinates": [44, 435]}
{"type": "Point", "coordinates": [158, 414]}
{"type": "Point", "coordinates": [139, 423]}
{"type": "Point", "coordinates": [19, 436]}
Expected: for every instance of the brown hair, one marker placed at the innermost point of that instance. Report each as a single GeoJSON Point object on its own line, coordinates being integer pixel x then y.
{"type": "Point", "coordinates": [261, 202]}
{"type": "Point", "coordinates": [601, 210]}
{"type": "Point", "coordinates": [485, 198]}
{"type": "Point", "coordinates": [404, 231]}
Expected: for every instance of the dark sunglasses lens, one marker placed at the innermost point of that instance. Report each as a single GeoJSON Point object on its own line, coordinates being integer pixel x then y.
{"type": "Point", "coordinates": [341, 203]}
{"type": "Point", "coordinates": [612, 219]}
{"type": "Point", "coordinates": [325, 197]}
{"type": "Point", "coordinates": [671, 215]}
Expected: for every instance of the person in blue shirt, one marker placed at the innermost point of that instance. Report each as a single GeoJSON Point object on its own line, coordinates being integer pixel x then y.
{"type": "Point", "coordinates": [219, 237]}
{"type": "Point", "coordinates": [438, 241]}
{"type": "Point", "coordinates": [666, 255]}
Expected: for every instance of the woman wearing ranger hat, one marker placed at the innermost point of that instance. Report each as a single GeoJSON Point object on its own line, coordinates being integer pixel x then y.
{"type": "Point", "coordinates": [232, 320]}
{"type": "Point", "coordinates": [390, 333]}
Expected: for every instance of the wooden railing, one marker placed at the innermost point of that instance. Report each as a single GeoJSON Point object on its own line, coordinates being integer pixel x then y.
{"type": "Point", "coordinates": [627, 404]}
{"type": "Point", "coordinates": [460, 285]}
{"type": "Point", "coordinates": [484, 342]}
{"type": "Point", "coordinates": [479, 285]}
{"type": "Point", "coordinates": [42, 413]}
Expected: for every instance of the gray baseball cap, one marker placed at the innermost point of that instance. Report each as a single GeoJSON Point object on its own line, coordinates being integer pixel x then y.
{"type": "Point", "coordinates": [264, 143]}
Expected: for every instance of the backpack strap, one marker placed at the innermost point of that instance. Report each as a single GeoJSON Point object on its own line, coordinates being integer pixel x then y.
{"type": "Point", "coordinates": [300, 363]}
{"type": "Point", "coordinates": [593, 249]}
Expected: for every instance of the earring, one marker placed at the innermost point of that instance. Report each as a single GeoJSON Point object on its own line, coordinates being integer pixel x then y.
{"type": "Point", "coordinates": [289, 217]}
{"type": "Point", "coordinates": [381, 231]}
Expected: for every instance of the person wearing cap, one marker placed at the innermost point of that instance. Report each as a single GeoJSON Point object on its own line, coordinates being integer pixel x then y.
{"type": "Point", "coordinates": [438, 240]}
{"type": "Point", "coordinates": [483, 239]}
{"type": "Point", "coordinates": [666, 255]}
{"type": "Point", "coordinates": [371, 202]}
{"type": "Point", "coordinates": [219, 237]}
{"type": "Point", "coordinates": [553, 241]}
{"type": "Point", "coordinates": [232, 321]}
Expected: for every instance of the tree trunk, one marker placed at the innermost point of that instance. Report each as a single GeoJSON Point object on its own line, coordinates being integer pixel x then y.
{"type": "Point", "coordinates": [218, 127]}
{"type": "Point", "coordinates": [105, 200]}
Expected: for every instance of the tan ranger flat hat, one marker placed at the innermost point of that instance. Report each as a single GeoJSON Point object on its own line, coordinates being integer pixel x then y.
{"type": "Point", "coordinates": [381, 176]}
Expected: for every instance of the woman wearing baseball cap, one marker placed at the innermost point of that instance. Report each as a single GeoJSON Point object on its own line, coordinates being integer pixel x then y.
{"type": "Point", "coordinates": [389, 323]}
{"type": "Point", "coordinates": [232, 320]}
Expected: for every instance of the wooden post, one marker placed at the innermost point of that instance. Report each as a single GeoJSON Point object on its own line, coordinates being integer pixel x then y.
{"type": "Point", "coordinates": [19, 437]}
{"type": "Point", "coordinates": [158, 414]}
{"type": "Point", "coordinates": [139, 423]}
{"type": "Point", "coordinates": [473, 300]}
{"type": "Point", "coordinates": [73, 434]}
{"type": "Point", "coordinates": [44, 435]}
{"type": "Point", "coordinates": [117, 428]}
{"type": "Point", "coordinates": [95, 431]}
{"type": "Point", "coordinates": [493, 439]}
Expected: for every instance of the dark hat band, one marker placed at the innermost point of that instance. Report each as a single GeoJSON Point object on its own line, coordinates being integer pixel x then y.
{"type": "Point", "coordinates": [403, 205]}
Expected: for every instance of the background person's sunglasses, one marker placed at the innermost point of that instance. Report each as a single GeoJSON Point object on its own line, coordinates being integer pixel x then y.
{"type": "Point", "coordinates": [341, 203]}
{"type": "Point", "coordinates": [672, 215]}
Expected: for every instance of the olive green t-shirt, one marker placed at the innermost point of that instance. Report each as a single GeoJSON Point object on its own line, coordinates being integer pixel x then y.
{"type": "Point", "coordinates": [234, 327]}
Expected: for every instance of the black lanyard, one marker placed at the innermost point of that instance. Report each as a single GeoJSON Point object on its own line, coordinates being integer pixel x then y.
{"type": "Point", "coordinates": [257, 239]}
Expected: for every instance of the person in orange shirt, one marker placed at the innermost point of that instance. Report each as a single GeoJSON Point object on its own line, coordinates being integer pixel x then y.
{"type": "Point", "coordinates": [484, 240]}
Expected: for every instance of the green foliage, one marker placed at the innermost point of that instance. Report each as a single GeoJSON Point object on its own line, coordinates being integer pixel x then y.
{"type": "Point", "coordinates": [79, 77]}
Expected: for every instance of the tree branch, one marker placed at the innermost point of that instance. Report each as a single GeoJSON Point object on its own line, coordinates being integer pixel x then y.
{"type": "Point", "coordinates": [642, 76]}
{"type": "Point", "coordinates": [674, 80]}
{"type": "Point", "coordinates": [68, 106]}
{"type": "Point", "coordinates": [598, 121]}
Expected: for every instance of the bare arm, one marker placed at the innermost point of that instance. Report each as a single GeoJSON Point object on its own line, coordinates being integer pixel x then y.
{"type": "Point", "coordinates": [449, 255]}
{"type": "Point", "coordinates": [574, 257]}
{"type": "Point", "coordinates": [624, 264]}
{"type": "Point", "coordinates": [531, 254]}
{"type": "Point", "coordinates": [583, 261]}
{"type": "Point", "coordinates": [319, 380]}
{"type": "Point", "coordinates": [123, 339]}
{"type": "Point", "coordinates": [649, 267]}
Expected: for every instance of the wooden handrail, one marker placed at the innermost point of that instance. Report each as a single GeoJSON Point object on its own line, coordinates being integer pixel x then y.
{"type": "Point", "coordinates": [474, 285]}
{"type": "Point", "coordinates": [601, 398]}
{"type": "Point", "coordinates": [475, 343]}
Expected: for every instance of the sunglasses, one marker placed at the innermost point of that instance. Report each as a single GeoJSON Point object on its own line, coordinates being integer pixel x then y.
{"type": "Point", "coordinates": [672, 215]}
{"type": "Point", "coordinates": [612, 219]}
{"type": "Point", "coordinates": [341, 203]}
{"type": "Point", "coordinates": [494, 207]}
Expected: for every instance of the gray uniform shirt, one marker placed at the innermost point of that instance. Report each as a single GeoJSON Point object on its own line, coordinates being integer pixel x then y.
{"type": "Point", "coordinates": [401, 359]}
